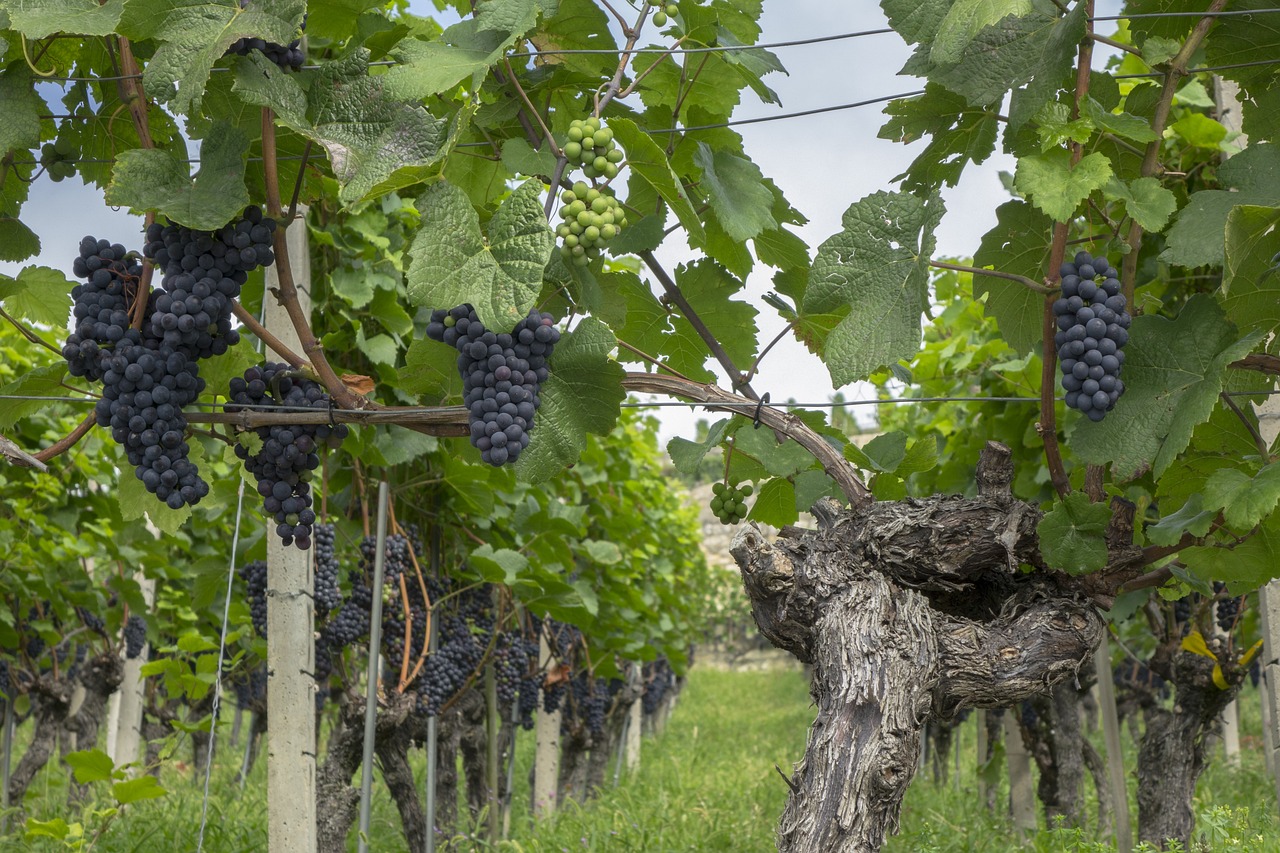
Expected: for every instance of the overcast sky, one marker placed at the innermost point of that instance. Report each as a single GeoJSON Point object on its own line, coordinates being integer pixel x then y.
{"type": "Point", "coordinates": [823, 163]}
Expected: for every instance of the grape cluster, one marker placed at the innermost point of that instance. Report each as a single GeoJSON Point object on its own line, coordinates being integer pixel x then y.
{"type": "Point", "coordinates": [396, 559]}
{"type": "Point", "coordinates": [590, 145]}
{"type": "Point", "coordinates": [1228, 611]}
{"type": "Point", "coordinates": [352, 622]}
{"type": "Point", "coordinates": [101, 305]}
{"type": "Point", "coordinates": [283, 464]}
{"type": "Point", "coordinates": [665, 9]}
{"type": "Point", "coordinates": [592, 218]}
{"type": "Point", "coordinates": [1182, 611]}
{"type": "Point", "coordinates": [327, 594]}
{"type": "Point", "coordinates": [92, 621]}
{"type": "Point", "coordinates": [135, 636]}
{"type": "Point", "coordinates": [1093, 327]}
{"type": "Point", "coordinates": [589, 706]}
{"type": "Point", "coordinates": [289, 57]}
{"type": "Point", "coordinates": [58, 159]}
{"type": "Point", "coordinates": [729, 503]}
{"type": "Point", "coordinates": [658, 679]}
{"type": "Point", "coordinates": [203, 273]}
{"type": "Point", "coordinates": [510, 664]}
{"type": "Point", "coordinates": [255, 580]}
{"type": "Point", "coordinates": [460, 649]}
{"type": "Point", "coordinates": [501, 376]}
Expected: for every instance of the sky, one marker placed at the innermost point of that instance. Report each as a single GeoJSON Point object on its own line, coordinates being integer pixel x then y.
{"type": "Point", "coordinates": [822, 163]}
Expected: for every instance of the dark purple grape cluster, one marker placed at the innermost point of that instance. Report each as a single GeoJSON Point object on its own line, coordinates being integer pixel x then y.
{"type": "Point", "coordinates": [135, 636]}
{"type": "Point", "coordinates": [6, 682]}
{"type": "Point", "coordinates": [553, 696]}
{"type": "Point", "coordinates": [658, 679]}
{"type": "Point", "coordinates": [327, 594]}
{"type": "Point", "coordinates": [501, 376]}
{"type": "Point", "coordinates": [101, 304]}
{"type": "Point", "coordinates": [395, 560]}
{"type": "Point", "coordinates": [289, 57]}
{"type": "Point", "coordinates": [283, 464]}
{"type": "Point", "coordinates": [1093, 327]}
{"type": "Point", "coordinates": [511, 665]}
{"type": "Point", "coordinates": [1228, 611]}
{"type": "Point", "coordinates": [92, 621]}
{"type": "Point", "coordinates": [203, 273]}
{"type": "Point", "coordinates": [589, 705]}
{"type": "Point", "coordinates": [255, 580]}
{"type": "Point", "coordinates": [351, 624]}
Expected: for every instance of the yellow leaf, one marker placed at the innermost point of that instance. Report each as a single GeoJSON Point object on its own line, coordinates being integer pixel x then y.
{"type": "Point", "coordinates": [1194, 643]}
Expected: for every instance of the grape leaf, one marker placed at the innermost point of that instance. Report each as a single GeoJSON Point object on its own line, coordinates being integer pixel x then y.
{"type": "Point", "coordinates": [518, 156]}
{"type": "Point", "coordinates": [37, 19]}
{"type": "Point", "coordinates": [39, 294]}
{"type": "Point", "coordinates": [648, 162]}
{"type": "Point", "coordinates": [1250, 289]}
{"type": "Point", "coordinates": [960, 134]}
{"type": "Point", "coordinates": [776, 503]}
{"type": "Point", "coordinates": [1149, 203]}
{"type": "Point", "coordinates": [779, 459]}
{"type": "Point", "coordinates": [708, 288]}
{"type": "Point", "coordinates": [877, 269]}
{"type": "Point", "coordinates": [20, 106]}
{"type": "Point", "coordinates": [965, 19]}
{"type": "Point", "coordinates": [453, 262]}
{"type": "Point", "coordinates": [582, 395]}
{"type": "Point", "coordinates": [1130, 127]}
{"type": "Point", "coordinates": [90, 765]}
{"type": "Point", "coordinates": [734, 184]}
{"type": "Point", "coordinates": [1246, 41]}
{"type": "Point", "coordinates": [1173, 372]}
{"type": "Point", "coordinates": [1018, 244]}
{"type": "Point", "coordinates": [151, 179]}
{"type": "Point", "coordinates": [41, 382]}
{"type": "Point", "coordinates": [1055, 186]}
{"type": "Point", "coordinates": [1247, 566]}
{"type": "Point", "coordinates": [687, 455]}
{"type": "Point", "coordinates": [1190, 518]}
{"type": "Point", "coordinates": [192, 38]}
{"type": "Point", "coordinates": [1073, 535]}
{"type": "Point", "coordinates": [17, 241]}
{"type": "Point", "coordinates": [145, 787]}
{"type": "Point", "coordinates": [1251, 177]}
{"type": "Point", "coordinates": [1244, 500]}
{"type": "Point", "coordinates": [136, 502]}
{"type": "Point", "coordinates": [467, 48]}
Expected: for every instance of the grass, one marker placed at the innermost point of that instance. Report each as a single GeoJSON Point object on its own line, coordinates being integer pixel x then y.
{"type": "Point", "coordinates": [708, 784]}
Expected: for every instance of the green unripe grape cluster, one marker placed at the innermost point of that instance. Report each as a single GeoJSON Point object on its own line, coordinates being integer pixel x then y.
{"type": "Point", "coordinates": [665, 10]}
{"type": "Point", "coordinates": [58, 159]}
{"type": "Point", "coordinates": [591, 146]}
{"type": "Point", "coordinates": [729, 503]}
{"type": "Point", "coordinates": [592, 218]}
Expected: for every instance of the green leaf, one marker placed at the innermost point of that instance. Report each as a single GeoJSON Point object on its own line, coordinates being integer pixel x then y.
{"type": "Point", "coordinates": [37, 19]}
{"type": "Point", "coordinates": [776, 503]}
{"type": "Point", "coordinates": [687, 455]}
{"type": "Point", "coordinates": [708, 288]}
{"type": "Point", "coordinates": [876, 269]}
{"type": "Point", "coordinates": [1190, 518]}
{"type": "Point", "coordinates": [1248, 41]}
{"type": "Point", "coordinates": [1157, 50]}
{"type": "Point", "coordinates": [606, 553]}
{"type": "Point", "coordinates": [1055, 127]}
{"type": "Point", "coordinates": [380, 349]}
{"type": "Point", "coordinates": [518, 156]}
{"type": "Point", "coordinates": [1057, 188]}
{"type": "Point", "coordinates": [90, 765]}
{"type": "Point", "coordinates": [1251, 177]}
{"type": "Point", "coordinates": [779, 459]}
{"type": "Point", "coordinates": [1130, 127]}
{"type": "Point", "coordinates": [1250, 290]}
{"type": "Point", "coordinates": [497, 566]}
{"type": "Point", "coordinates": [151, 179]}
{"type": "Point", "coordinates": [1244, 500]}
{"type": "Point", "coordinates": [812, 485]}
{"type": "Point", "coordinates": [17, 241]}
{"type": "Point", "coordinates": [581, 396]}
{"type": "Point", "coordinates": [1019, 244]}
{"type": "Point", "coordinates": [20, 106]}
{"type": "Point", "coordinates": [1073, 535]}
{"type": "Point", "coordinates": [430, 369]}
{"type": "Point", "coordinates": [1173, 372]}
{"type": "Point", "coordinates": [56, 828]}
{"type": "Point", "coordinates": [39, 294]}
{"type": "Point", "coordinates": [735, 186]}
{"type": "Point", "coordinates": [887, 451]}
{"type": "Point", "coordinates": [193, 38]}
{"type": "Point", "coordinates": [453, 263]}
{"type": "Point", "coordinates": [134, 790]}
{"type": "Point", "coordinates": [1149, 203]}
{"type": "Point", "coordinates": [1247, 566]}
{"type": "Point", "coordinates": [960, 134]}
{"type": "Point", "coordinates": [135, 502]}
{"type": "Point", "coordinates": [1200, 131]}
{"type": "Point", "coordinates": [965, 19]}
{"type": "Point", "coordinates": [41, 382]}
{"type": "Point", "coordinates": [376, 143]}
{"type": "Point", "coordinates": [648, 161]}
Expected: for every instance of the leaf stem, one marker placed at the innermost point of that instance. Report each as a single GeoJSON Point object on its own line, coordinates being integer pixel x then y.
{"type": "Point", "coordinates": [266, 336]}
{"type": "Point", "coordinates": [28, 334]}
{"type": "Point", "coordinates": [1008, 276]}
{"type": "Point", "coordinates": [1258, 441]}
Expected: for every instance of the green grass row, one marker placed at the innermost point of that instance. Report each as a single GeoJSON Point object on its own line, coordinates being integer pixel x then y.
{"type": "Point", "coordinates": [708, 784]}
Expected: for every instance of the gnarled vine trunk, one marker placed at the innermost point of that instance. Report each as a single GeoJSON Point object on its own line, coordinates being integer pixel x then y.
{"type": "Point", "coordinates": [50, 703]}
{"type": "Point", "coordinates": [101, 676]}
{"type": "Point", "coordinates": [907, 610]}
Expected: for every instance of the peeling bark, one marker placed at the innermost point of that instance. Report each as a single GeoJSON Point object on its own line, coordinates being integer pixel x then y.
{"type": "Point", "coordinates": [336, 800]}
{"type": "Point", "coordinates": [448, 734]}
{"type": "Point", "coordinates": [393, 754]}
{"type": "Point", "coordinates": [575, 747]}
{"type": "Point", "coordinates": [472, 745]}
{"type": "Point", "coordinates": [907, 611]}
{"type": "Point", "coordinates": [101, 676]}
{"type": "Point", "coordinates": [50, 703]}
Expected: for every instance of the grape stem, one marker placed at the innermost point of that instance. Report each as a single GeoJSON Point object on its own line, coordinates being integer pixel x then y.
{"type": "Point", "coordinates": [546, 131]}
{"type": "Point", "coordinates": [31, 336]}
{"type": "Point", "coordinates": [277, 346]}
{"type": "Point", "coordinates": [1258, 441]}
{"type": "Point", "coordinates": [1007, 276]}
{"type": "Point", "coordinates": [655, 362]}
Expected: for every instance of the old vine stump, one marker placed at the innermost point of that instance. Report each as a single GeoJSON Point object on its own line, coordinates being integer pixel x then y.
{"type": "Point", "coordinates": [907, 610]}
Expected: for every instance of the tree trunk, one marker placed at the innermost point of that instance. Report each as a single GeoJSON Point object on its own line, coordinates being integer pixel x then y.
{"type": "Point", "coordinates": [448, 735]}
{"type": "Point", "coordinates": [606, 744]}
{"type": "Point", "coordinates": [1050, 727]}
{"type": "Point", "coordinates": [1171, 756]}
{"type": "Point", "coordinates": [574, 750]}
{"type": "Point", "coordinates": [393, 752]}
{"type": "Point", "coordinates": [908, 611]}
{"type": "Point", "coordinates": [101, 676]}
{"type": "Point", "coordinates": [337, 802]}
{"type": "Point", "coordinates": [473, 744]}
{"type": "Point", "coordinates": [50, 702]}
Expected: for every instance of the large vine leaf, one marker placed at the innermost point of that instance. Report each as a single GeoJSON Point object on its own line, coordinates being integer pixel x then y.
{"type": "Point", "coordinates": [1196, 237]}
{"type": "Point", "coordinates": [1019, 244]}
{"type": "Point", "coordinates": [582, 395]}
{"type": "Point", "coordinates": [39, 294]}
{"type": "Point", "coordinates": [20, 106]}
{"type": "Point", "coordinates": [965, 19]}
{"type": "Point", "coordinates": [708, 288]}
{"type": "Point", "coordinates": [776, 503]}
{"type": "Point", "coordinates": [739, 197]}
{"type": "Point", "coordinates": [37, 19]}
{"type": "Point", "coordinates": [1244, 500]}
{"type": "Point", "coordinates": [193, 38]}
{"type": "Point", "coordinates": [1173, 373]}
{"type": "Point", "coordinates": [150, 179]}
{"type": "Point", "coordinates": [1149, 203]}
{"type": "Point", "coordinates": [1057, 187]}
{"type": "Point", "coordinates": [960, 135]}
{"type": "Point", "coordinates": [650, 163]}
{"type": "Point", "coordinates": [877, 270]}
{"type": "Point", "coordinates": [1244, 566]}
{"type": "Point", "coordinates": [376, 144]}
{"type": "Point", "coordinates": [1073, 535]}
{"type": "Point", "coordinates": [453, 262]}
{"type": "Point", "coordinates": [1250, 290]}
{"type": "Point", "coordinates": [41, 382]}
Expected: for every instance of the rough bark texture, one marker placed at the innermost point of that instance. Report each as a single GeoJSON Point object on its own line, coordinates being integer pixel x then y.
{"type": "Point", "coordinates": [472, 744]}
{"type": "Point", "coordinates": [393, 754]}
{"type": "Point", "coordinates": [1050, 727]}
{"type": "Point", "coordinates": [575, 747]}
{"type": "Point", "coordinates": [337, 802]}
{"type": "Point", "coordinates": [50, 702]}
{"type": "Point", "coordinates": [906, 610]}
{"type": "Point", "coordinates": [1171, 756]}
{"type": "Point", "coordinates": [101, 676]}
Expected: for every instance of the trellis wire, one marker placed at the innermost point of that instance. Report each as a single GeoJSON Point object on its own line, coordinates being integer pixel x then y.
{"type": "Point", "coordinates": [371, 688]}
{"type": "Point", "coordinates": [217, 681]}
